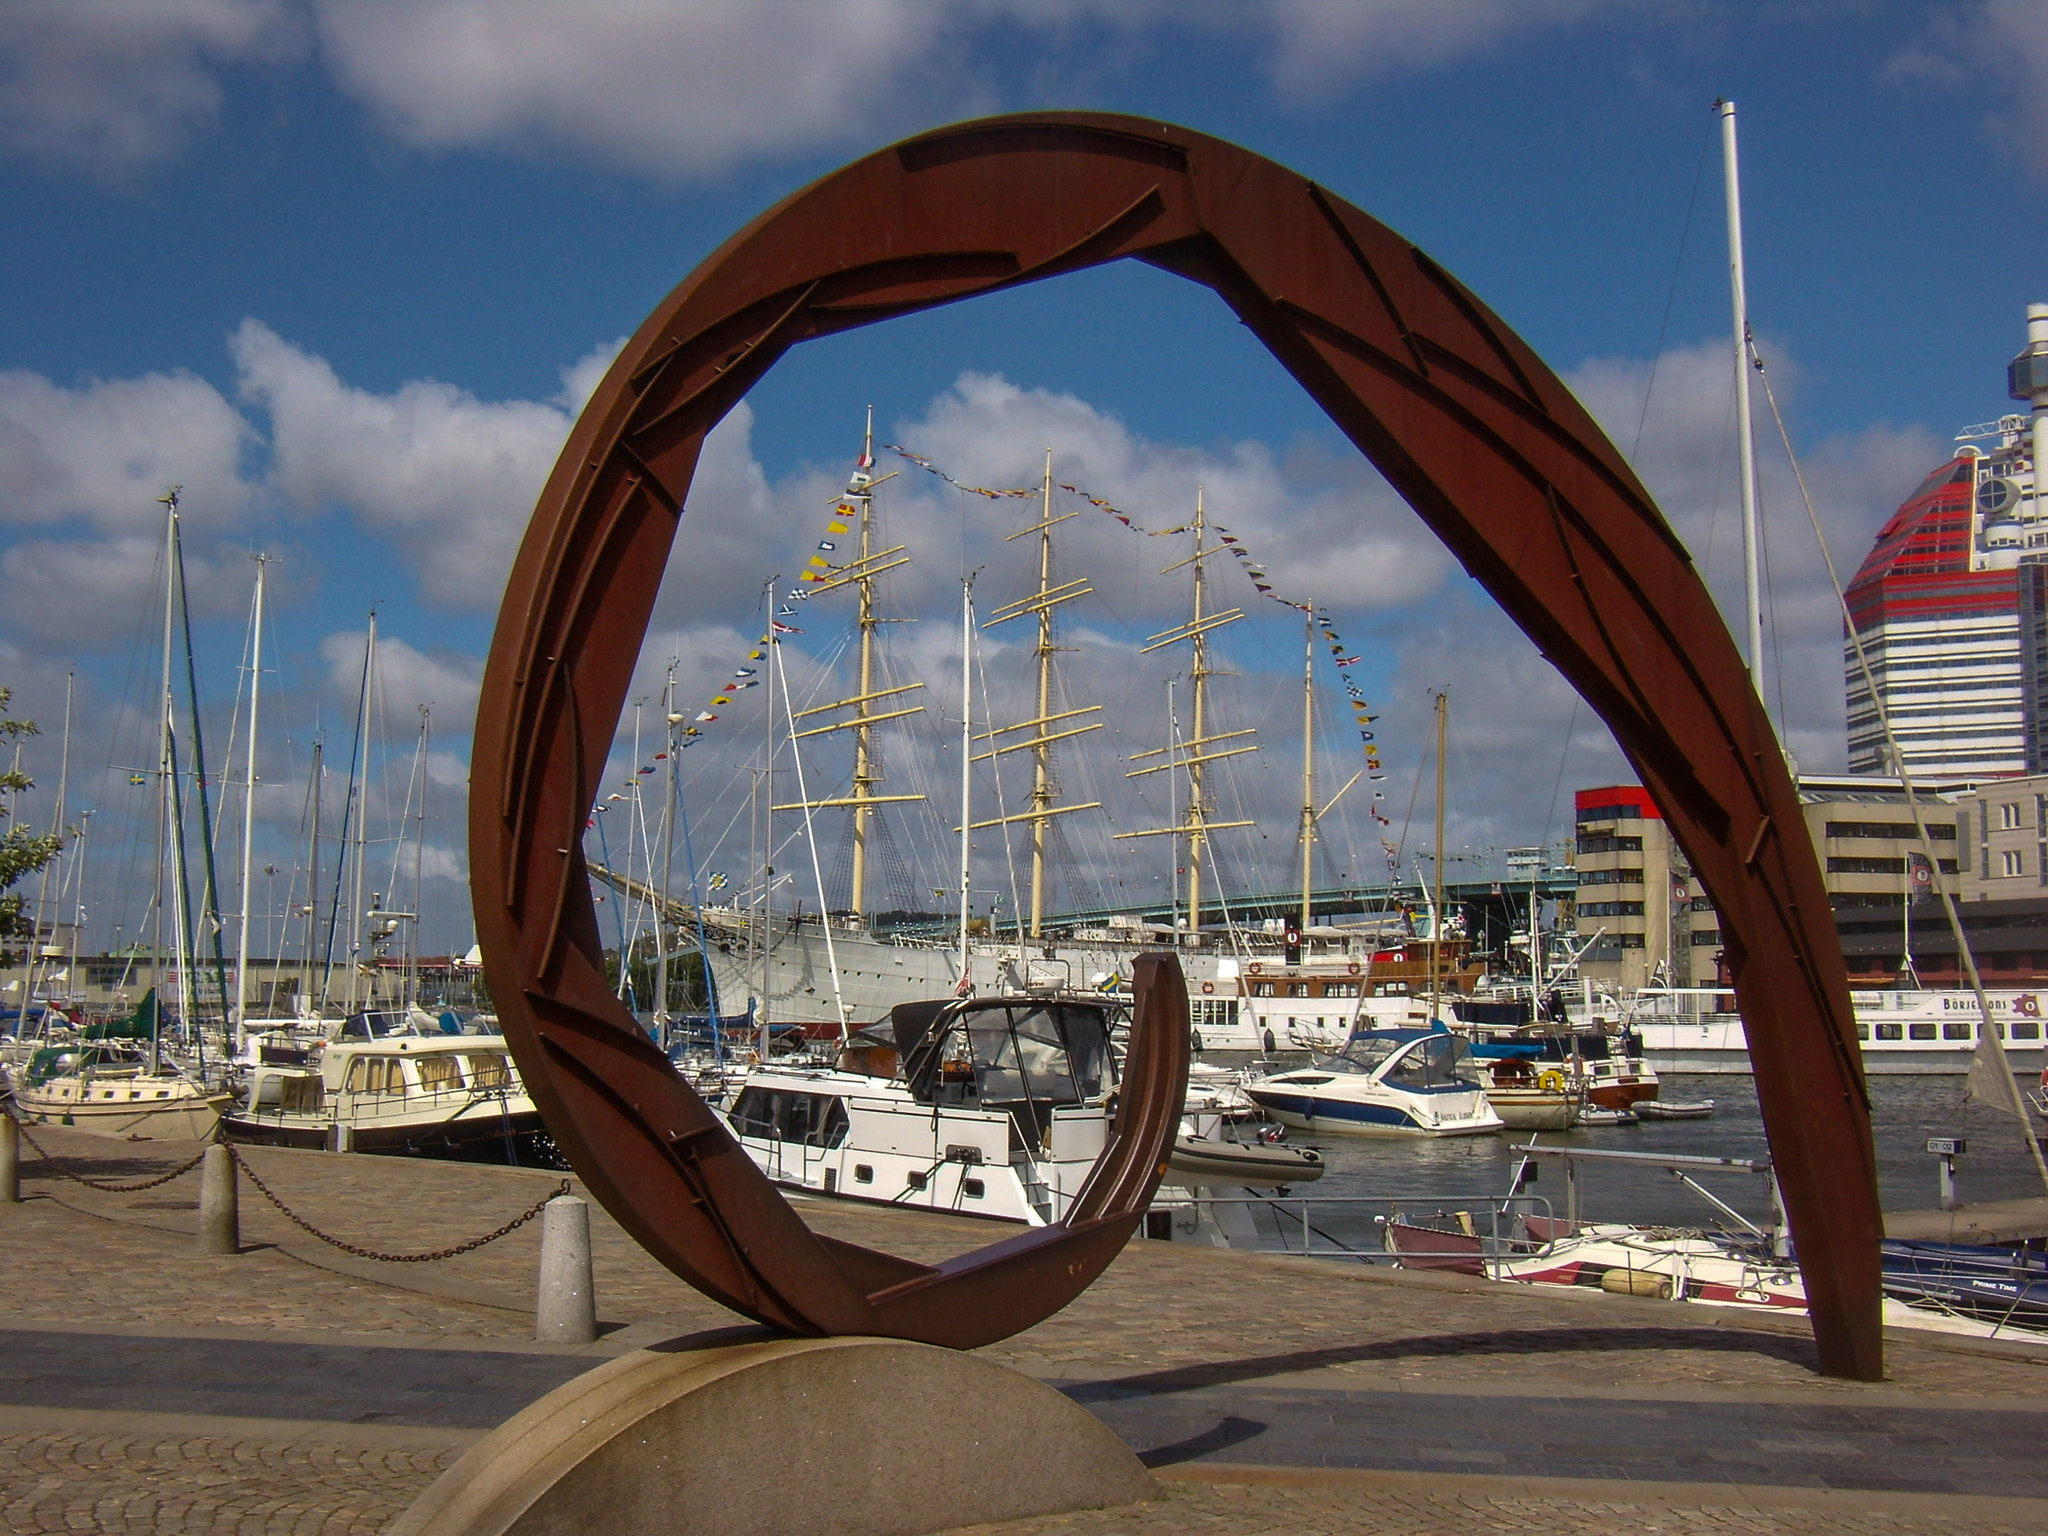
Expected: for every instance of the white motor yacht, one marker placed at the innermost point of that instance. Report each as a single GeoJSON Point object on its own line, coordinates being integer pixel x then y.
{"type": "Point", "coordinates": [999, 1109]}
{"type": "Point", "coordinates": [435, 1095]}
{"type": "Point", "coordinates": [1384, 1082]}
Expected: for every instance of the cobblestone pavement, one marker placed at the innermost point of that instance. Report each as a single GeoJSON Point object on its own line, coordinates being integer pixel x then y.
{"type": "Point", "coordinates": [1176, 1328]}
{"type": "Point", "coordinates": [1458, 1506]}
{"type": "Point", "coordinates": [122, 1483]}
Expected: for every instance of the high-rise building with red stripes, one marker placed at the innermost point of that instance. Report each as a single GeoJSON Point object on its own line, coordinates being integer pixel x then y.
{"type": "Point", "coordinates": [1942, 600]}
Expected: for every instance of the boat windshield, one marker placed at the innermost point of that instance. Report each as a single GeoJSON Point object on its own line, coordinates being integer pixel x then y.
{"type": "Point", "coordinates": [1435, 1061]}
{"type": "Point", "coordinates": [1361, 1054]}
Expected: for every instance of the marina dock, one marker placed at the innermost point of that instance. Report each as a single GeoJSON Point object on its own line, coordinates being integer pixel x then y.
{"type": "Point", "coordinates": [295, 1387]}
{"type": "Point", "coordinates": [1987, 1221]}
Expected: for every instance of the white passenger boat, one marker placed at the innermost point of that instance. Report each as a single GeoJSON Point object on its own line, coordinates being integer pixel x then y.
{"type": "Point", "coordinates": [1391, 1082]}
{"type": "Point", "coordinates": [1899, 1032]}
{"type": "Point", "coordinates": [998, 1109]}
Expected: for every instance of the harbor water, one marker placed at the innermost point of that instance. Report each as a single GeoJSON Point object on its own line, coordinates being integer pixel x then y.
{"type": "Point", "coordinates": [1431, 1177]}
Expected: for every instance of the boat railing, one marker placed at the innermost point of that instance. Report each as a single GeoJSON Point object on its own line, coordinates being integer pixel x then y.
{"type": "Point", "coordinates": [1459, 1233]}
{"type": "Point", "coordinates": [1684, 1167]}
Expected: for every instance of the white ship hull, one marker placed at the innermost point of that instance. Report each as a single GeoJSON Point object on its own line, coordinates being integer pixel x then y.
{"type": "Point", "coordinates": [1900, 1034]}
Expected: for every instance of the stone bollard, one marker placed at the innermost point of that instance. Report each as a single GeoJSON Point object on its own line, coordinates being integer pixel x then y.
{"type": "Point", "coordinates": [10, 1160]}
{"type": "Point", "coordinates": [220, 1227]}
{"type": "Point", "coordinates": [566, 1312]}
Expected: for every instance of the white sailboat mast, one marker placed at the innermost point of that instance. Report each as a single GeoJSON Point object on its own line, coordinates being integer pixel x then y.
{"type": "Point", "coordinates": [1308, 763]}
{"type": "Point", "coordinates": [1436, 917]}
{"type": "Point", "coordinates": [966, 762]}
{"type": "Point", "coordinates": [1745, 438]}
{"type": "Point", "coordinates": [359, 853]}
{"type": "Point", "coordinates": [173, 843]}
{"type": "Point", "coordinates": [249, 800]}
{"type": "Point", "coordinates": [668, 853]}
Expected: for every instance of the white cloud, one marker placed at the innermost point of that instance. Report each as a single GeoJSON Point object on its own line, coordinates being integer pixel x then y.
{"type": "Point", "coordinates": [100, 454]}
{"type": "Point", "coordinates": [116, 84]}
{"type": "Point", "coordinates": [680, 87]}
{"type": "Point", "coordinates": [449, 478]}
{"type": "Point", "coordinates": [1321, 45]}
{"type": "Point", "coordinates": [2004, 41]}
{"type": "Point", "coordinates": [1687, 459]}
{"type": "Point", "coordinates": [407, 677]}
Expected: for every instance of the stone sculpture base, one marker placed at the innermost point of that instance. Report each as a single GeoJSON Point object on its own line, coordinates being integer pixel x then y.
{"type": "Point", "coordinates": [744, 1432]}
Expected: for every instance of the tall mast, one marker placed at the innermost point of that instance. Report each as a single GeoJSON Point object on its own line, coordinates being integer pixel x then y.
{"type": "Point", "coordinates": [1436, 921]}
{"type": "Point", "coordinates": [32, 951]}
{"type": "Point", "coordinates": [171, 839]}
{"type": "Point", "coordinates": [1308, 761]}
{"type": "Point", "coordinates": [966, 761]}
{"type": "Point", "coordinates": [1039, 808]}
{"type": "Point", "coordinates": [1745, 440]}
{"type": "Point", "coordinates": [1195, 825]}
{"type": "Point", "coordinates": [668, 857]}
{"type": "Point", "coordinates": [858, 503]}
{"type": "Point", "coordinates": [313, 870]}
{"type": "Point", "coordinates": [358, 792]}
{"type": "Point", "coordinates": [249, 800]}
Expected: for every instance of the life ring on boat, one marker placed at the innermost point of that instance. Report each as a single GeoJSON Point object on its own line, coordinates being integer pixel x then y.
{"type": "Point", "coordinates": [1254, 968]}
{"type": "Point", "coordinates": [1551, 1081]}
{"type": "Point", "coordinates": [1208, 987]}
{"type": "Point", "coordinates": [1352, 969]}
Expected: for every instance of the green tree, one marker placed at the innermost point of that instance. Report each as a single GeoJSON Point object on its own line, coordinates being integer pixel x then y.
{"type": "Point", "coordinates": [22, 852]}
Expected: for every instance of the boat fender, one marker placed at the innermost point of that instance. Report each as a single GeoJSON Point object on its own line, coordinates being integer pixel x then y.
{"type": "Point", "coordinates": [1271, 1043]}
{"type": "Point", "coordinates": [1195, 1041]}
{"type": "Point", "coordinates": [1551, 1082]}
{"type": "Point", "coordinates": [1352, 968]}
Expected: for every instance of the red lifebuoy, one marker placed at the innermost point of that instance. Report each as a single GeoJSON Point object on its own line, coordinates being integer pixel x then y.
{"type": "Point", "coordinates": [1208, 986]}
{"type": "Point", "coordinates": [1254, 968]}
{"type": "Point", "coordinates": [1352, 968]}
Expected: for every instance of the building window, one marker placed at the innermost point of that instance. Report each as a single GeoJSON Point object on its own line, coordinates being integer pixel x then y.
{"type": "Point", "coordinates": [1610, 909]}
{"type": "Point", "coordinates": [2011, 862]}
{"type": "Point", "coordinates": [2008, 816]}
{"type": "Point", "coordinates": [1610, 877]}
{"type": "Point", "coordinates": [1849, 864]}
{"type": "Point", "coordinates": [1610, 845]}
{"type": "Point", "coordinates": [1887, 829]}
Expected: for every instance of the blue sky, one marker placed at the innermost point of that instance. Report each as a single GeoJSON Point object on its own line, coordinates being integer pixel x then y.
{"type": "Point", "coordinates": [344, 267]}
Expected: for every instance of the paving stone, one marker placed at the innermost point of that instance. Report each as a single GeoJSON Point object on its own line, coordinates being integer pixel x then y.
{"type": "Point", "coordinates": [1201, 1354]}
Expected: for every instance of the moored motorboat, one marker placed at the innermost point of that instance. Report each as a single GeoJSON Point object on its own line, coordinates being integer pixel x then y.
{"type": "Point", "coordinates": [1254, 1164]}
{"type": "Point", "coordinates": [1393, 1082]}
{"type": "Point", "coordinates": [434, 1095]}
{"type": "Point", "coordinates": [991, 1107]}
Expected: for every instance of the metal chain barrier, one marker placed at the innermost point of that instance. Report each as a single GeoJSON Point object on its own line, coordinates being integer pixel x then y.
{"type": "Point", "coordinates": [393, 1258]}
{"type": "Point", "coordinates": [65, 1168]}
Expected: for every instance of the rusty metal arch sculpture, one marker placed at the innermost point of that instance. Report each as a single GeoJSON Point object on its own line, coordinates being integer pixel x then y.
{"type": "Point", "coordinates": [1460, 415]}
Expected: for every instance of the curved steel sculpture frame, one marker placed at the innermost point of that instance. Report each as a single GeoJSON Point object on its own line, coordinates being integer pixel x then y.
{"type": "Point", "coordinates": [1457, 412]}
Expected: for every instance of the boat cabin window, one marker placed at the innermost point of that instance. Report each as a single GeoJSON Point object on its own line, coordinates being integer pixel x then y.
{"type": "Point", "coordinates": [1297, 989]}
{"type": "Point", "coordinates": [1891, 1032]}
{"type": "Point", "coordinates": [1024, 1057]}
{"type": "Point", "coordinates": [1212, 1012]}
{"type": "Point", "coordinates": [1921, 1031]}
{"type": "Point", "coordinates": [376, 1074]}
{"type": "Point", "coordinates": [440, 1074]}
{"type": "Point", "coordinates": [1262, 989]}
{"type": "Point", "coordinates": [2025, 1029]}
{"type": "Point", "coordinates": [1955, 1029]}
{"type": "Point", "coordinates": [491, 1071]}
{"type": "Point", "coordinates": [775, 1114]}
{"type": "Point", "coordinates": [1340, 989]}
